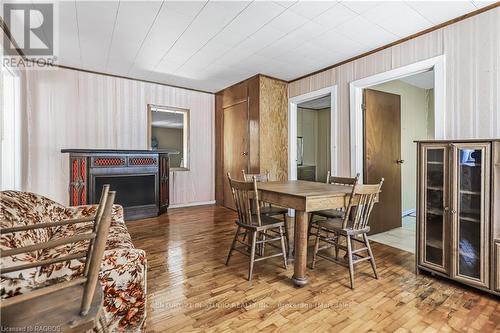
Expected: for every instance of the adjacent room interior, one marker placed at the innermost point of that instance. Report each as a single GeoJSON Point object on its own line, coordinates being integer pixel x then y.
{"type": "Point", "coordinates": [229, 166]}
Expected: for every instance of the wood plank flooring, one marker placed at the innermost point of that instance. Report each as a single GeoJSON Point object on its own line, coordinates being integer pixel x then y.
{"type": "Point", "coordinates": [191, 290]}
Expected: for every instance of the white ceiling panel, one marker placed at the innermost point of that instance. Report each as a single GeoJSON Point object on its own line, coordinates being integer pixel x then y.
{"type": "Point", "coordinates": [361, 7]}
{"type": "Point", "coordinates": [365, 33]}
{"type": "Point", "coordinates": [69, 46]}
{"type": "Point", "coordinates": [129, 33]}
{"type": "Point", "coordinates": [441, 11]}
{"type": "Point", "coordinates": [335, 16]}
{"type": "Point", "coordinates": [397, 18]}
{"type": "Point", "coordinates": [211, 44]}
{"type": "Point", "coordinates": [312, 9]}
{"type": "Point", "coordinates": [95, 19]}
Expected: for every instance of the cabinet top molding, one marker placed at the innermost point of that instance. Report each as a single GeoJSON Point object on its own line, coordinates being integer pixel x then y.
{"type": "Point", "coordinates": [457, 141]}
{"type": "Point", "coordinates": [120, 151]}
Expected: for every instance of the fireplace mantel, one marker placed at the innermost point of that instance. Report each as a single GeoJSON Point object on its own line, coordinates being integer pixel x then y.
{"type": "Point", "coordinates": [140, 178]}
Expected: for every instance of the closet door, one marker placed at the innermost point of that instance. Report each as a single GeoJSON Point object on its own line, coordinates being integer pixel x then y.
{"type": "Point", "coordinates": [236, 157]}
{"type": "Point", "coordinates": [433, 216]}
{"type": "Point", "coordinates": [470, 213]}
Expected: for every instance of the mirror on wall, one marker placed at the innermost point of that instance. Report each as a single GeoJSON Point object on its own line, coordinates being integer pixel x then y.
{"type": "Point", "coordinates": [169, 129]}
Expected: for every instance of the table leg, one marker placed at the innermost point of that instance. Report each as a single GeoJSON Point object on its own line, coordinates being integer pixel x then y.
{"type": "Point", "coordinates": [299, 276]}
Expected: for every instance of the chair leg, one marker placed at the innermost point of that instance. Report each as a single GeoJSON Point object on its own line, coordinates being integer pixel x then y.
{"type": "Point", "coordinates": [287, 235]}
{"type": "Point", "coordinates": [349, 255]}
{"type": "Point", "coordinates": [316, 247]}
{"type": "Point", "coordinates": [311, 217]}
{"type": "Point", "coordinates": [252, 255]}
{"type": "Point", "coordinates": [232, 245]}
{"type": "Point", "coordinates": [337, 240]}
{"type": "Point", "coordinates": [283, 248]}
{"type": "Point", "coordinates": [370, 253]}
{"type": "Point", "coordinates": [262, 245]}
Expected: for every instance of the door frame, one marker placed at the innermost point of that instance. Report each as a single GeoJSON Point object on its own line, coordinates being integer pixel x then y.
{"type": "Point", "coordinates": [356, 100]}
{"type": "Point", "coordinates": [292, 128]}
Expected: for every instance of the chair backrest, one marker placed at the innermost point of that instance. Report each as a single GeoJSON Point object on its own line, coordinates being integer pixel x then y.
{"type": "Point", "coordinates": [345, 181]}
{"type": "Point", "coordinates": [93, 256]}
{"type": "Point", "coordinates": [360, 205]}
{"type": "Point", "coordinates": [244, 193]}
{"type": "Point", "coordinates": [260, 177]}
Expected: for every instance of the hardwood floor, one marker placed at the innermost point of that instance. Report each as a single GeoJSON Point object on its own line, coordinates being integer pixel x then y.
{"type": "Point", "coordinates": [191, 290]}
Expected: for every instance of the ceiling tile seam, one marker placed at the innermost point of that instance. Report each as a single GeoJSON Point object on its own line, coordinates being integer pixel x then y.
{"type": "Point", "coordinates": [112, 35]}
{"type": "Point", "coordinates": [211, 38]}
{"type": "Point", "coordinates": [419, 13]}
{"type": "Point", "coordinates": [180, 36]}
{"type": "Point", "coordinates": [78, 33]}
{"type": "Point", "coordinates": [261, 27]}
{"type": "Point", "coordinates": [145, 37]}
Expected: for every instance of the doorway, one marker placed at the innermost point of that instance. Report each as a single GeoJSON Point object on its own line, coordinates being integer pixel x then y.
{"type": "Point", "coordinates": [397, 108]}
{"type": "Point", "coordinates": [313, 138]}
{"type": "Point", "coordinates": [304, 111]}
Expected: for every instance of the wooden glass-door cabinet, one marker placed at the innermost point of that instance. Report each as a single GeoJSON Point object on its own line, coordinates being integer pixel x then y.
{"type": "Point", "coordinates": [457, 228]}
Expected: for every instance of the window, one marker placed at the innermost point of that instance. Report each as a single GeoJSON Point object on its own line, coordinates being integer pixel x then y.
{"type": "Point", "coordinates": [10, 127]}
{"type": "Point", "coordinates": [169, 129]}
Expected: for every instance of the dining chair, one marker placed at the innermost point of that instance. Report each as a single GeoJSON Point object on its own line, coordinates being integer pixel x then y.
{"type": "Point", "coordinates": [262, 229]}
{"type": "Point", "coordinates": [265, 207]}
{"type": "Point", "coordinates": [68, 305]}
{"type": "Point", "coordinates": [333, 213]}
{"type": "Point", "coordinates": [352, 225]}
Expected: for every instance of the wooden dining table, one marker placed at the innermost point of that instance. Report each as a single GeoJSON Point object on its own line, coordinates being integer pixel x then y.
{"type": "Point", "coordinates": [304, 197]}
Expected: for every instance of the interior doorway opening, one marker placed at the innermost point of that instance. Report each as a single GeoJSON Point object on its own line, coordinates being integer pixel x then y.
{"type": "Point", "coordinates": [297, 105]}
{"type": "Point", "coordinates": [404, 109]}
{"type": "Point", "coordinates": [313, 138]}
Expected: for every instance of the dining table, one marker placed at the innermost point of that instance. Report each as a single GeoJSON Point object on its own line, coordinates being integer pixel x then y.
{"type": "Point", "coordinates": [304, 197]}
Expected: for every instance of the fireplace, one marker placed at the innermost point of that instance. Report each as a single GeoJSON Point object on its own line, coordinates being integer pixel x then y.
{"type": "Point", "coordinates": [140, 179]}
{"type": "Point", "coordinates": [131, 190]}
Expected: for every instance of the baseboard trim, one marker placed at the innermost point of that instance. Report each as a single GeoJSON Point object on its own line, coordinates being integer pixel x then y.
{"type": "Point", "coordinates": [190, 204]}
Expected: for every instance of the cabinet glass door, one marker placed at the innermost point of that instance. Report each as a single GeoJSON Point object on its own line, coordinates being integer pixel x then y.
{"type": "Point", "coordinates": [434, 189]}
{"type": "Point", "coordinates": [470, 212]}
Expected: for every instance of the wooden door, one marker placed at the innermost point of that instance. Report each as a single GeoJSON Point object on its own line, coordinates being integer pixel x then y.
{"type": "Point", "coordinates": [236, 157]}
{"type": "Point", "coordinates": [382, 156]}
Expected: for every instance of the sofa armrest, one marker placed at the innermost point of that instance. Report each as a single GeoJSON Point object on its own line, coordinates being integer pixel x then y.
{"type": "Point", "coordinates": [123, 279]}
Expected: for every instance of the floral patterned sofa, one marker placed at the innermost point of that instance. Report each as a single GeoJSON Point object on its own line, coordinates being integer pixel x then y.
{"type": "Point", "coordinates": [123, 270]}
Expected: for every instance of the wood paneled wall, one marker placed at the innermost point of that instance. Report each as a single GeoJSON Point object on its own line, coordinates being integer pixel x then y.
{"type": "Point", "coordinates": [267, 100]}
{"type": "Point", "coordinates": [273, 126]}
{"type": "Point", "coordinates": [472, 50]}
{"type": "Point", "coordinates": [73, 109]}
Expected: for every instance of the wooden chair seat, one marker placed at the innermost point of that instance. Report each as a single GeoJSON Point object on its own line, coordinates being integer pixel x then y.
{"type": "Point", "coordinates": [267, 222]}
{"type": "Point", "coordinates": [273, 210]}
{"type": "Point", "coordinates": [330, 213]}
{"type": "Point", "coordinates": [60, 311]}
{"type": "Point", "coordinates": [336, 226]}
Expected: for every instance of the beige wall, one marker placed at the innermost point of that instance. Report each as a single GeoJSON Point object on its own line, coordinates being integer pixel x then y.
{"type": "Point", "coordinates": [73, 109]}
{"type": "Point", "coordinates": [170, 138]}
{"type": "Point", "coordinates": [472, 51]}
{"type": "Point", "coordinates": [314, 127]}
{"type": "Point", "coordinates": [416, 119]}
